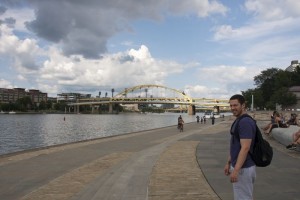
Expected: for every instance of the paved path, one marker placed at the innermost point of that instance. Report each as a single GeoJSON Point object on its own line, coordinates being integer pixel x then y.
{"type": "Point", "coordinates": [157, 164]}
{"type": "Point", "coordinates": [278, 181]}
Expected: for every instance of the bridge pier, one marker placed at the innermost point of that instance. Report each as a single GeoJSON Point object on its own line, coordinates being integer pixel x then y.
{"type": "Point", "coordinates": [92, 109]}
{"type": "Point", "coordinates": [110, 108]}
{"type": "Point", "coordinates": [76, 108]}
{"type": "Point", "coordinates": [191, 110]}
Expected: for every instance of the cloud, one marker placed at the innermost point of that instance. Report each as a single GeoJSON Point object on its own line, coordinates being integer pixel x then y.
{"type": "Point", "coordinates": [221, 81]}
{"type": "Point", "coordinates": [5, 84]}
{"type": "Point", "coordinates": [201, 91]}
{"type": "Point", "coordinates": [9, 21]}
{"type": "Point", "coordinates": [273, 10]}
{"type": "Point", "coordinates": [111, 70]}
{"type": "Point", "coordinates": [2, 10]}
{"type": "Point", "coordinates": [255, 30]}
{"type": "Point", "coordinates": [16, 18]}
{"type": "Point", "coordinates": [269, 18]}
{"type": "Point", "coordinates": [83, 28]}
{"type": "Point", "coordinates": [267, 54]}
{"type": "Point", "coordinates": [222, 74]}
{"type": "Point", "coordinates": [201, 8]}
{"type": "Point", "coordinates": [23, 52]}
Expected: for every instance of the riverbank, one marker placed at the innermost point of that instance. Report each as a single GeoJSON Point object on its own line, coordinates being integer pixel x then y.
{"type": "Point", "coordinates": [156, 164]}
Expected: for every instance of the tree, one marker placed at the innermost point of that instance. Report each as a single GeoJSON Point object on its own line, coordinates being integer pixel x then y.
{"type": "Point", "coordinates": [60, 106]}
{"type": "Point", "coordinates": [272, 88]}
{"type": "Point", "coordinates": [49, 104]}
{"type": "Point", "coordinates": [296, 76]}
{"type": "Point", "coordinates": [42, 105]}
{"type": "Point", "coordinates": [257, 98]}
{"type": "Point", "coordinates": [265, 75]}
{"type": "Point", "coordinates": [24, 103]}
{"type": "Point", "coordinates": [283, 97]}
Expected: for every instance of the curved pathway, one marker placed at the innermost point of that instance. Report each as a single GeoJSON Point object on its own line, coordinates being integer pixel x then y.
{"type": "Point", "coordinates": [157, 164]}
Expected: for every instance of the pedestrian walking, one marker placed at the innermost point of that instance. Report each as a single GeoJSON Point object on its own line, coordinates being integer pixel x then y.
{"type": "Point", "coordinates": [213, 120]}
{"type": "Point", "coordinates": [240, 167]}
{"type": "Point", "coordinates": [197, 118]}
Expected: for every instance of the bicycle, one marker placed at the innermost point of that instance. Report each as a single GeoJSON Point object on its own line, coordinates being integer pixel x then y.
{"type": "Point", "coordinates": [180, 127]}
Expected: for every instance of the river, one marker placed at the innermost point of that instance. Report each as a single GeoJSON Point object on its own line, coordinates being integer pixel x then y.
{"type": "Point", "coordinates": [21, 132]}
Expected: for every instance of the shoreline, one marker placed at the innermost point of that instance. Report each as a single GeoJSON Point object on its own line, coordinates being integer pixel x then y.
{"type": "Point", "coordinates": [260, 116]}
{"type": "Point", "coordinates": [155, 164]}
{"type": "Point", "coordinates": [87, 141]}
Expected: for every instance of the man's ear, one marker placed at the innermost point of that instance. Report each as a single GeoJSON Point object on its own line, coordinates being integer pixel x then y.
{"type": "Point", "coordinates": [243, 106]}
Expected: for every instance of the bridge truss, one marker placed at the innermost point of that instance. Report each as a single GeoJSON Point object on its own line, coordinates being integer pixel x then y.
{"type": "Point", "coordinates": [153, 94]}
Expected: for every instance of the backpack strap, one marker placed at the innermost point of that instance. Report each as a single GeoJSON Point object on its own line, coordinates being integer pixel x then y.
{"type": "Point", "coordinates": [236, 124]}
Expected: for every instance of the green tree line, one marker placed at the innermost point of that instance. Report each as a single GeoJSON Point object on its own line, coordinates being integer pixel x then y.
{"type": "Point", "coordinates": [25, 104]}
{"type": "Point", "coordinates": [272, 87]}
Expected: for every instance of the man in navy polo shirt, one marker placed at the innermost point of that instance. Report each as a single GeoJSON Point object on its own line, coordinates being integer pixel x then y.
{"type": "Point", "coordinates": [240, 166]}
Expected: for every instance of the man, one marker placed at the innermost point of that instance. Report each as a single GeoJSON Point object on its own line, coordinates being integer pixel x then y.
{"type": "Point", "coordinates": [240, 166]}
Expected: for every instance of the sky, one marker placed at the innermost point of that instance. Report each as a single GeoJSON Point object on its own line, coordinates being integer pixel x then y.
{"type": "Point", "coordinates": [206, 48]}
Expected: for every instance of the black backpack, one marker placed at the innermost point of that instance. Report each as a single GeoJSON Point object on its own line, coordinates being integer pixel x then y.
{"type": "Point", "coordinates": [262, 151]}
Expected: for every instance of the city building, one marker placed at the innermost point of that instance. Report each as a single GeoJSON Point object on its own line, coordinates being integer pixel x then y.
{"type": "Point", "coordinates": [292, 67]}
{"type": "Point", "coordinates": [12, 95]}
{"type": "Point", "coordinates": [294, 89]}
{"type": "Point", "coordinates": [37, 96]}
{"type": "Point", "coordinates": [72, 97]}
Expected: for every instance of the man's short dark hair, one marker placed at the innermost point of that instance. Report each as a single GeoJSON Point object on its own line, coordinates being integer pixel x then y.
{"type": "Point", "coordinates": [239, 97]}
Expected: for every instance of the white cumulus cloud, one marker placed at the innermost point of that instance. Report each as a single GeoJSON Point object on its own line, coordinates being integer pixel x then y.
{"type": "Point", "coordinates": [122, 69]}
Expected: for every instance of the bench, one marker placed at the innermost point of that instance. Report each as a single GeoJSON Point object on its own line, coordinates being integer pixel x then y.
{"type": "Point", "coordinates": [285, 135]}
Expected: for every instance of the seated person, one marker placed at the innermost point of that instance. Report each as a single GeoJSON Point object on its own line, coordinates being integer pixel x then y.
{"type": "Point", "coordinates": [293, 120]}
{"type": "Point", "coordinates": [282, 122]}
{"type": "Point", "coordinates": [274, 124]}
{"type": "Point", "coordinates": [272, 121]}
{"type": "Point", "coordinates": [296, 141]}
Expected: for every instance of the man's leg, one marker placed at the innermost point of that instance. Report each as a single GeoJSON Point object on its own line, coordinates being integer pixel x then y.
{"type": "Point", "coordinates": [243, 189]}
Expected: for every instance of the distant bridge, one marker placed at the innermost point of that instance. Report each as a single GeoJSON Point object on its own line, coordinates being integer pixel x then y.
{"type": "Point", "coordinates": [154, 94]}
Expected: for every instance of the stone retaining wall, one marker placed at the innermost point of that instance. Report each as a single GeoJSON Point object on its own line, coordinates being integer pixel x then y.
{"type": "Point", "coordinates": [285, 135]}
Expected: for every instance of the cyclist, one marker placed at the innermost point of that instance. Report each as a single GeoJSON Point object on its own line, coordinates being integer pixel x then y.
{"type": "Point", "coordinates": [179, 119]}
{"type": "Point", "coordinates": [180, 124]}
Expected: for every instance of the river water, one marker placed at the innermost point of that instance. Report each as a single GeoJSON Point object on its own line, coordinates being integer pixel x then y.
{"type": "Point", "coordinates": [20, 132]}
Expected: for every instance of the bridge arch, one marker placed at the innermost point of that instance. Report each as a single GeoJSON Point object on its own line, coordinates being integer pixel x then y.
{"type": "Point", "coordinates": [181, 95]}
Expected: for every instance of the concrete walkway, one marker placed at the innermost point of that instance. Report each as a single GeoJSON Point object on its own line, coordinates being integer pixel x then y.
{"type": "Point", "coordinates": [156, 164]}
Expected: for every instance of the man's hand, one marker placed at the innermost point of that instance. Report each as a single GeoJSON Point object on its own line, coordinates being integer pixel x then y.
{"type": "Point", "coordinates": [227, 169]}
{"type": "Point", "coordinates": [234, 176]}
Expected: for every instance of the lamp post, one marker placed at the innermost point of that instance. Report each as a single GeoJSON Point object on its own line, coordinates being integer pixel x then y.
{"type": "Point", "coordinates": [252, 104]}
{"type": "Point", "coordinates": [112, 92]}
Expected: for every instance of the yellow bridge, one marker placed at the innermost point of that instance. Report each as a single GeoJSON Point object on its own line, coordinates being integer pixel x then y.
{"type": "Point", "coordinates": [155, 94]}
